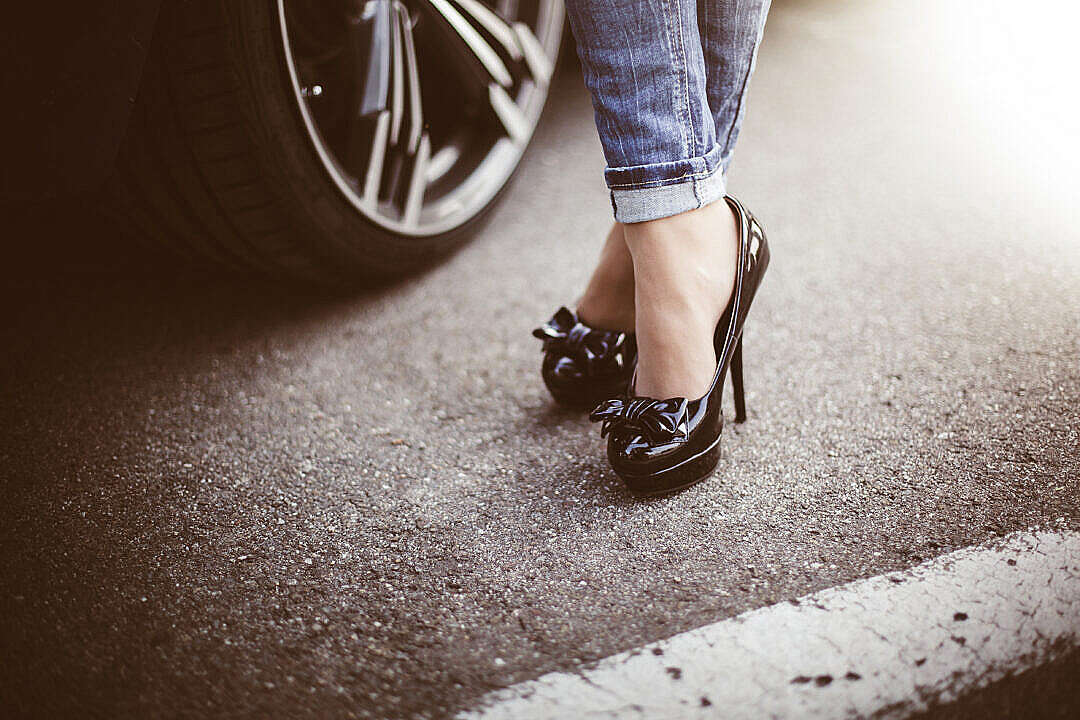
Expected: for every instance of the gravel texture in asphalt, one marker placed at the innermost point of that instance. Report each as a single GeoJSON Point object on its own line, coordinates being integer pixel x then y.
{"type": "Point", "coordinates": [220, 499]}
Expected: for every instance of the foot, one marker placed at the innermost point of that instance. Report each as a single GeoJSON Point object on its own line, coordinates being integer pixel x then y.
{"type": "Point", "coordinates": [608, 302]}
{"type": "Point", "coordinates": [684, 273]}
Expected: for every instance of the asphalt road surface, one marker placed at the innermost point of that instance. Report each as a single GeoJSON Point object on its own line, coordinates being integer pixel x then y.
{"type": "Point", "coordinates": [221, 499]}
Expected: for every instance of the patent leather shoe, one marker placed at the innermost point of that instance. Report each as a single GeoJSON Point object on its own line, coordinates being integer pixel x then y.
{"type": "Point", "coordinates": [584, 365]}
{"type": "Point", "coordinates": [658, 446]}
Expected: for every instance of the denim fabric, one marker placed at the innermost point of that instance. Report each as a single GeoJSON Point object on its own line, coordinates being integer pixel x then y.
{"type": "Point", "coordinates": [667, 79]}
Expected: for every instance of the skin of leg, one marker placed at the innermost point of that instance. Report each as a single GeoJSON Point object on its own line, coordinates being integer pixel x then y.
{"type": "Point", "coordinates": [608, 300]}
{"type": "Point", "coordinates": [684, 273]}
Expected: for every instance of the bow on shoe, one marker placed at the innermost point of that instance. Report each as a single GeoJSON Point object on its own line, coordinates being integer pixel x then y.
{"type": "Point", "coordinates": [556, 332]}
{"type": "Point", "coordinates": [594, 349]}
{"type": "Point", "coordinates": [658, 420]}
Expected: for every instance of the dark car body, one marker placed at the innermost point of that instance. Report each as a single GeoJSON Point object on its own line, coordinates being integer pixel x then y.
{"type": "Point", "coordinates": [71, 73]}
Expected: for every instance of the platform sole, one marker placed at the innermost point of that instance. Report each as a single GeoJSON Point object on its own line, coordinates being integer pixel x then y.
{"type": "Point", "coordinates": [689, 472]}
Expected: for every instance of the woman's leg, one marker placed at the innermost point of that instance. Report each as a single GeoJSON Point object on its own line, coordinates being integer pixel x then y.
{"type": "Point", "coordinates": [691, 275]}
{"type": "Point", "coordinates": [644, 64]}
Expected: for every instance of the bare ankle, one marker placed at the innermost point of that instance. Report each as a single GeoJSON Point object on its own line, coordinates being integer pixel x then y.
{"type": "Point", "coordinates": [608, 300]}
{"type": "Point", "coordinates": [684, 269]}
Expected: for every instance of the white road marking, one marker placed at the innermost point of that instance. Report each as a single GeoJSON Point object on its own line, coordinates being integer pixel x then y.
{"type": "Point", "coordinates": [883, 647]}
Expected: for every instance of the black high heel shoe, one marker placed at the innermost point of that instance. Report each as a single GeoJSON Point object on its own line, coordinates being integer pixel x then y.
{"type": "Point", "coordinates": [582, 365]}
{"type": "Point", "coordinates": [658, 446]}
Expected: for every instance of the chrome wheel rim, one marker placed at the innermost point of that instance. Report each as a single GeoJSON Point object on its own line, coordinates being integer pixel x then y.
{"type": "Point", "coordinates": [420, 110]}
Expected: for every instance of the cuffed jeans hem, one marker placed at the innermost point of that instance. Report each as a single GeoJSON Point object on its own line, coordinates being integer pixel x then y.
{"type": "Point", "coordinates": [669, 172]}
{"type": "Point", "coordinates": [652, 203]}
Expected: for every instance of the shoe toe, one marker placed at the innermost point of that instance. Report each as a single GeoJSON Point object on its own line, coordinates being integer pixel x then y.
{"type": "Point", "coordinates": [635, 454]}
{"type": "Point", "coordinates": [562, 374]}
{"type": "Point", "coordinates": [565, 370]}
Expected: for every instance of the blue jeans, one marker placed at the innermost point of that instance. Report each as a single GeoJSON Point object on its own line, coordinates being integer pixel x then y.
{"type": "Point", "coordinates": [668, 79]}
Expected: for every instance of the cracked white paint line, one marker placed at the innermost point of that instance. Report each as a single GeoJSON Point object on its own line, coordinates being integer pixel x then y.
{"type": "Point", "coordinates": [883, 647]}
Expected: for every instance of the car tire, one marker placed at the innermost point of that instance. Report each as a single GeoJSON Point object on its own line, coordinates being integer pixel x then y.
{"type": "Point", "coordinates": [221, 162]}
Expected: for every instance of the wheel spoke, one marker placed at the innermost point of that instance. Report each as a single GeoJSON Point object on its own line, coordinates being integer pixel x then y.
{"type": "Point", "coordinates": [513, 120]}
{"type": "Point", "coordinates": [475, 43]}
{"type": "Point", "coordinates": [373, 175]}
{"type": "Point", "coordinates": [513, 42]}
{"type": "Point", "coordinates": [540, 65]}
{"type": "Point", "coordinates": [412, 70]}
{"type": "Point", "coordinates": [507, 8]}
{"type": "Point", "coordinates": [397, 94]}
{"type": "Point", "coordinates": [495, 25]}
{"type": "Point", "coordinates": [417, 183]}
{"type": "Point", "coordinates": [382, 175]}
{"type": "Point", "coordinates": [370, 40]}
{"type": "Point", "coordinates": [369, 36]}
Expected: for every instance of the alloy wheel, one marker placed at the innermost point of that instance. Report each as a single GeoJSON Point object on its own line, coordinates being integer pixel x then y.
{"type": "Point", "coordinates": [420, 110]}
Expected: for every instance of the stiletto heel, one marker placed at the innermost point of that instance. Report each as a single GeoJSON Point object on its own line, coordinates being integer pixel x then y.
{"type": "Point", "coordinates": [657, 446]}
{"type": "Point", "coordinates": [737, 383]}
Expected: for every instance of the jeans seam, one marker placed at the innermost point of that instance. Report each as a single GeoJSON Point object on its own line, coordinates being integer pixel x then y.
{"type": "Point", "coordinates": [661, 183]}
{"type": "Point", "coordinates": [691, 150]}
{"type": "Point", "coordinates": [738, 107]}
{"type": "Point", "coordinates": [680, 94]}
{"type": "Point", "coordinates": [688, 165]}
{"type": "Point", "coordinates": [690, 176]}
{"type": "Point", "coordinates": [735, 117]}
